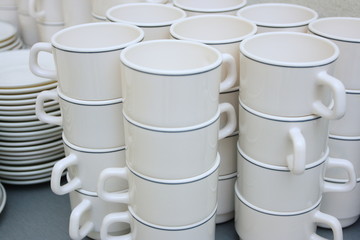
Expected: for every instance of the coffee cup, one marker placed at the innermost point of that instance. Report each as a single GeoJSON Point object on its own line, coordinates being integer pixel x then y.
{"type": "Point", "coordinates": [226, 197]}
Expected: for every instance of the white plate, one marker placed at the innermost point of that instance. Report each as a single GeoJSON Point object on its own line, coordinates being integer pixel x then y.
{"type": "Point", "coordinates": [22, 144]}
{"type": "Point", "coordinates": [27, 129]}
{"type": "Point", "coordinates": [30, 138]}
{"type": "Point", "coordinates": [54, 129]}
{"type": "Point", "coordinates": [32, 112]}
{"type": "Point", "coordinates": [27, 149]}
{"type": "Point", "coordinates": [11, 46]}
{"type": "Point", "coordinates": [24, 174]}
{"type": "Point", "coordinates": [19, 96]}
{"type": "Point", "coordinates": [36, 159]}
{"type": "Point", "coordinates": [32, 153]}
{"type": "Point", "coordinates": [27, 168]}
{"type": "Point", "coordinates": [27, 118]}
{"type": "Point", "coordinates": [6, 31]}
{"type": "Point", "coordinates": [15, 71]}
{"type": "Point", "coordinates": [18, 102]}
{"type": "Point", "coordinates": [21, 110]}
{"type": "Point", "coordinates": [26, 182]}
{"type": "Point", "coordinates": [51, 85]}
{"type": "Point", "coordinates": [2, 197]}
{"type": "Point", "coordinates": [8, 41]}
{"type": "Point", "coordinates": [26, 178]}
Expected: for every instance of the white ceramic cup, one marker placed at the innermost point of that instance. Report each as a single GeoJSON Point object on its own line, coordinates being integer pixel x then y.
{"type": "Point", "coordinates": [252, 222]}
{"type": "Point", "coordinates": [346, 148]}
{"type": "Point", "coordinates": [88, 124]}
{"type": "Point", "coordinates": [270, 17]}
{"type": "Point", "coordinates": [87, 214]}
{"type": "Point", "coordinates": [155, 25]}
{"type": "Point", "coordinates": [344, 206]}
{"type": "Point", "coordinates": [47, 30]}
{"type": "Point", "coordinates": [168, 203]}
{"type": "Point", "coordinates": [226, 197]}
{"type": "Point", "coordinates": [174, 83]}
{"type": "Point", "coordinates": [227, 148]}
{"type": "Point", "coordinates": [175, 153]}
{"type": "Point", "coordinates": [76, 12]}
{"type": "Point", "coordinates": [349, 125]}
{"type": "Point", "coordinates": [141, 229]}
{"type": "Point", "coordinates": [46, 11]}
{"type": "Point", "coordinates": [345, 33]}
{"type": "Point", "coordinates": [232, 97]}
{"type": "Point", "coordinates": [287, 74]}
{"type": "Point", "coordinates": [84, 167]}
{"type": "Point", "coordinates": [28, 29]}
{"type": "Point", "coordinates": [277, 189]}
{"type": "Point", "coordinates": [223, 32]}
{"type": "Point", "coordinates": [292, 142]}
{"type": "Point", "coordinates": [87, 59]}
{"type": "Point", "coordinates": [228, 7]}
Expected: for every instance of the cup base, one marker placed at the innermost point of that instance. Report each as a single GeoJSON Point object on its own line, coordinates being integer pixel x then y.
{"type": "Point", "coordinates": [222, 218]}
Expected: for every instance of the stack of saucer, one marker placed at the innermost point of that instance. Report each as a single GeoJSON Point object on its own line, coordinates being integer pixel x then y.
{"type": "Point", "coordinates": [28, 147]}
{"type": "Point", "coordinates": [9, 39]}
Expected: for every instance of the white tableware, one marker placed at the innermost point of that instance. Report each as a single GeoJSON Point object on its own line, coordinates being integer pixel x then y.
{"type": "Point", "coordinates": [18, 144]}
{"type": "Point", "coordinates": [25, 118]}
{"type": "Point", "coordinates": [28, 28]}
{"type": "Point", "coordinates": [155, 25]}
{"type": "Point", "coordinates": [141, 229]}
{"type": "Point", "coordinates": [32, 89]}
{"type": "Point", "coordinates": [84, 166]}
{"type": "Point", "coordinates": [47, 30]}
{"type": "Point", "coordinates": [232, 97]}
{"type": "Point", "coordinates": [32, 150]}
{"type": "Point", "coordinates": [25, 168]}
{"type": "Point", "coordinates": [2, 197]}
{"type": "Point", "coordinates": [270, 17]}
{"type": "Point", "coordinates": [344, 206]}
{"type": "Point", "coordinates": [87, 215]}
{"type": "Point", "coordinates": [254, 223]}
{"type": "Point", "coordinates": [32, 133]}
{"type": "Point", "coordinates": [76, 12]}
{"type": "Point", "coordinates": [88, 124]}
{"type": "Point", "coordinates": [17, 129]}
{"type": "Point", "coordinates": [291, 142]}
{"type": "Point", "coordinates": [162, 90]}
{"type": "Point", "coordinates": [37, 180]}
{"type": "Point", "coordinates": [349, 124]}
{"type": "Point", "coordinates": [228, 7]}
{"type": "Point", "coordinates": [277, 189]}
{"type": "Point", "coordinates": [46, 11]}
{"type": "Point", "coordinates": [7, 32]}
{"type": "Point", "coordinates": [345, 33]}
{"type": "Point", "coordinates": [175, 153]}
{"type": "Point", "coordinates": [294, 81]}
{"type": "Point", "coordinates": [226, 196]}
{"type": "Point", "coordinates": [36, 159]}
{"type": "Point", "coordinates": [30, 138]}
{"type": "Point", "coordinates": [227, 148]}
{"type": "Point", "coordinates": [78, 49]}
{"type": "Point", "coordinates": [22, 110]}
{"type": "Point", "coordinates": [223, 32]}
{"type": "Point", "coordinates": [157, 201]}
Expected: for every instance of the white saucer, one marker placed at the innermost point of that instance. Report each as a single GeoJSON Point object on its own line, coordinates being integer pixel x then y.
{"type": "Point", "coordinates": [7, 41]}
{"type": "Point", "coordinates": [28, 112]}
{"type": "Point", "coordinates": [24, 174]}
{"type": "Point", "coordinates": [2, 197]}
{"type": "Point", "coordinates": [17, 44]}
{"type": "Point", "coordinates": [27, 149]}
{"type": "Point", "coordinates": [18, 102]}
{"type": "Point", "coordinates": [28, 128]}
{"type": "Point", "coordinates": [27, 160]}
{"type": "Point", "coordinates": [27, 118]}
{"type": "Point", "coordinates": [15, 71]}
{"type": "Point", "coordinates": [31, 138]}
{"type": "Point", "coordinates": [55, 129]}
{"type": "Point", "coordinates": [53, 84]}
{"type": "Point", "coordinates": [18, 96]}
{"type": "Point", "coordinates": [6, 31]}
{"type": "Point", "coordinates": [26, 182]}
{"type": "Point", "coordinates": [27, 168]}
{"type": "Point", "coordinates": [33, 152]}
{"type": "Point", "coordinates": [25, 109]}
{"type": "Point", "coordinates": [33, 143]}
{"type": "Point", "coordinates": [21, 124]}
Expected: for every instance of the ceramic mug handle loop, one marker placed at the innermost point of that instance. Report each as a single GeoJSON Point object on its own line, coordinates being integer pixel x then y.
{"type": "Point", "coordinates": [339, 98]}
{"type": "Point", "coordinates": [57, 172]}
{"type": "Point", "coordinates": [76, 231]}
{"type": "Point", "coordinates": [121, 217]}
{"type": "Point", "coordinates": [230, 126]}
{"type": "Point", "coordinates": [122, 197]}
{"type": "Point", "coordinates": [34, 63]}
{"type": "Point", "coordinates": [231, 72]}
{"type": "Point", "coordinates": [330, 221]}
{"type": "Point", "coordinates": [33, 12]}
{"type": "Point", "coordinates": [349, 168]}
{"type": "Point", "coordinates": [40, 111]}
{"type": "Point", "coordinates": [297, 161]}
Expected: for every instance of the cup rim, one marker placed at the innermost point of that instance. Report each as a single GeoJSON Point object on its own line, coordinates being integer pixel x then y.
{"type": "Point", "coordinates": [238, 39]}
{"type": "Point", "coordinates": [279, 25]}
{"type": "Point", "coordinates": [306, 118]}
{"type": "Point", "coordinates": [116, 47]}
{"type": "Point", "coordinates": [280, 63]}
{"type": "Point", "coordinates": [196, 178]}
{"type": "Point", "coordinates": [318, 32]}
{"type": "Point", "coordinates": [177, 228]}
{"type": "Point", "coordinates": [274, 213]}
{"type": "Point", "coordinates": [162, 72]}
{"type": "Point", "coordinates": [344, 138]}
{"type": "Point", "coordinates": [215, 10]}
{"type": "Point", "coordinates": [166, 23]}
{"type": "Point", "coordinates": [277, 168]}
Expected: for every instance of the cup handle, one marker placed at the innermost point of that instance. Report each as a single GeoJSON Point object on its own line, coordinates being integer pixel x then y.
{"type": "Point", "coordinates": [330, 221]}
{"type": "Point", "coordinates": [341, 187]}
{"type": "Point", "coordinates": [230, 79]}
{"type": "Point", "coordinates": [297, 161]}
{"type": "Point", "coordinates": [75, 230]}
{"type": "Point", "coordinates": [34, 63]}
{"type": "Point", "coordinates": [32, 10]}
{"type": "Point", "coordinates": [56, 175]}
{"type": "Point", "coordinates": [230, 126]}
{"type": "Point", "coordinates": [118, 197]}
{"type": "Point", "coordinates": [39, 107]}
{"type": "Point", "coordinates": [111, 218]}
{"type": "Point", "coordinates": [339, 98]}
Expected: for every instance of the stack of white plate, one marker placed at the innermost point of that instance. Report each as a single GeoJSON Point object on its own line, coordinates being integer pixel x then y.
{"type": "Point", "coordinates": [28, 148]}
{"type": "Point", "coordinates": [9, 38]}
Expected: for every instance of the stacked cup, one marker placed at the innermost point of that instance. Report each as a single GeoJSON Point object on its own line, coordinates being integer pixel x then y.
{"type": "Point", "coordinates": [90, 96]}
{"type": "Point", "coordinates": [344, 133]}
{"type": "Point", "coordinates": [223, 32]}
{"type": "Point", "coordinates": [287, 97]}
{"type": "Point", "coordinates": [172, 117]}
